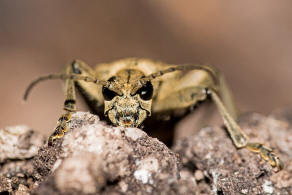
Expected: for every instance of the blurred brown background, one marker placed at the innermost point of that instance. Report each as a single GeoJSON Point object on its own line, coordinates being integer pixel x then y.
{"type": "Point", "coordinates": [249, 41]}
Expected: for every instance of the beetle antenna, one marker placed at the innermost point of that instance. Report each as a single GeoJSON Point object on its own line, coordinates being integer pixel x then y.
{"type": "Point", "coordinates": [62, 77]}
{"type": "Point", "coordinates": [182, 68]}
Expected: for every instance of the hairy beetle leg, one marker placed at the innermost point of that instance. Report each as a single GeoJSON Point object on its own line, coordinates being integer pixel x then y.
{"type": "Point", "coordinates": [69, 107]}
{"type": "Point", "coordinates": [61, 128]}
{"type": "Point", "coordinates": [266, 153]}
{"type": "Point", "coordinates": [240, 139]}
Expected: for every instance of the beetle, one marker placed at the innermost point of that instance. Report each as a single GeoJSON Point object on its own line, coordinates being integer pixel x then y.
{"type": "Point", "coordinates": [127, 91]}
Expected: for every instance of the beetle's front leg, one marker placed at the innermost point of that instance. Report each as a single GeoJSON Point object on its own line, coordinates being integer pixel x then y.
{"type": "Point", "coordinates": [62, 127]}
{"type": "Point", "coordinates": [69, 107]}
{"type": "Point", "coordinates": [77, 67]}
{"type": "Point", "coordinates": [239, 138]}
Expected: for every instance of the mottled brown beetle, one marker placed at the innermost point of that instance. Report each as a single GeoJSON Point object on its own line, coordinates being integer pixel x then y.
{"type": "Point", "coordinates": [128, 91]}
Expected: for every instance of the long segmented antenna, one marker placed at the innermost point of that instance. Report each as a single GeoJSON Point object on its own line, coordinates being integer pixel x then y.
{"type": "Point", "coordinates": [62, 77]}
{"type": "Point", "coordinates": [182, 68]}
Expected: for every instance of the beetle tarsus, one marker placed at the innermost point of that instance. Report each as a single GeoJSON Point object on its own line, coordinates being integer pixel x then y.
{"type": "Point", "coordinates": [61, 128]}
{"type": "Point", "coordinates": [266, 153]}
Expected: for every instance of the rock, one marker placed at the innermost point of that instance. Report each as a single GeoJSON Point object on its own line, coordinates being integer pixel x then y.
{"type": "Point", "coordinates": [18, 146]}
{"type": "Point", "coordinates": [96, 158]}
{"type": "Point", "coordinates": [231, 171]}
{"type": "Point", "coordinates": [19, 142]}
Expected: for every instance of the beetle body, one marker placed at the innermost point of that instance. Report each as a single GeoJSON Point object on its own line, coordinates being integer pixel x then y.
{"type": "Point", "coordinates": [130, 91]}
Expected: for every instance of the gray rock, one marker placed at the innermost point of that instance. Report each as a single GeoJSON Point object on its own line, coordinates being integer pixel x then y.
{"type": "Point", "coordinates": [230, 171]}
{"type": "Point", "coordinates": [19, 142]}
{"type": "Point", "coordinates": [95, 158]}
{"type": "Point", "coordinates": [18, 146]}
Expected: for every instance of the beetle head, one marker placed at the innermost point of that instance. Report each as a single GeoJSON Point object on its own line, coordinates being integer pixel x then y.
{"type": "Point", "coordinates": [127, 100]}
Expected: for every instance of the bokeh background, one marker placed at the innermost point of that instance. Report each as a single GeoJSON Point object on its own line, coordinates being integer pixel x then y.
{"type": "Point", "coordinates": [249, 41]}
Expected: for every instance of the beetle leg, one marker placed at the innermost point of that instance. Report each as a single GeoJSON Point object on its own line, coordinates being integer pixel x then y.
{"type": "Point", "coordinates": [239, 138]}
{"type": "Point", "coordinates": [69, 107]}
{"type": "Point", "coordinates": [62, 127]}
{"type": "Point", "coordinates": [266, 153]}
{"type": "Point", "coordinates": [77, 67]}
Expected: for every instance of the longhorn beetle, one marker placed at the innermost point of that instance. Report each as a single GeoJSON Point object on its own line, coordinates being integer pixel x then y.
{"type": "Point", "coordinates": [128, 91]}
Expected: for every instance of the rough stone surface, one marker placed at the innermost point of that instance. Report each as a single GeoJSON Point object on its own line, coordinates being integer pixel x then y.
{"type": "Point", "coordinates": [94, 158]}
{"type": "Point", "coordinates": [18, 145]}
{"type": "Point", "coordinates": [230, 171]}
{"type": "Point", "coordinates": [18, 142]}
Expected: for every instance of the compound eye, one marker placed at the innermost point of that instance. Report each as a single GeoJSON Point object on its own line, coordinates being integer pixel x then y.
{"type": "Point", "coordinates": [108, 94]}
{"type": "Point", "coordinates": [146, 91]}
